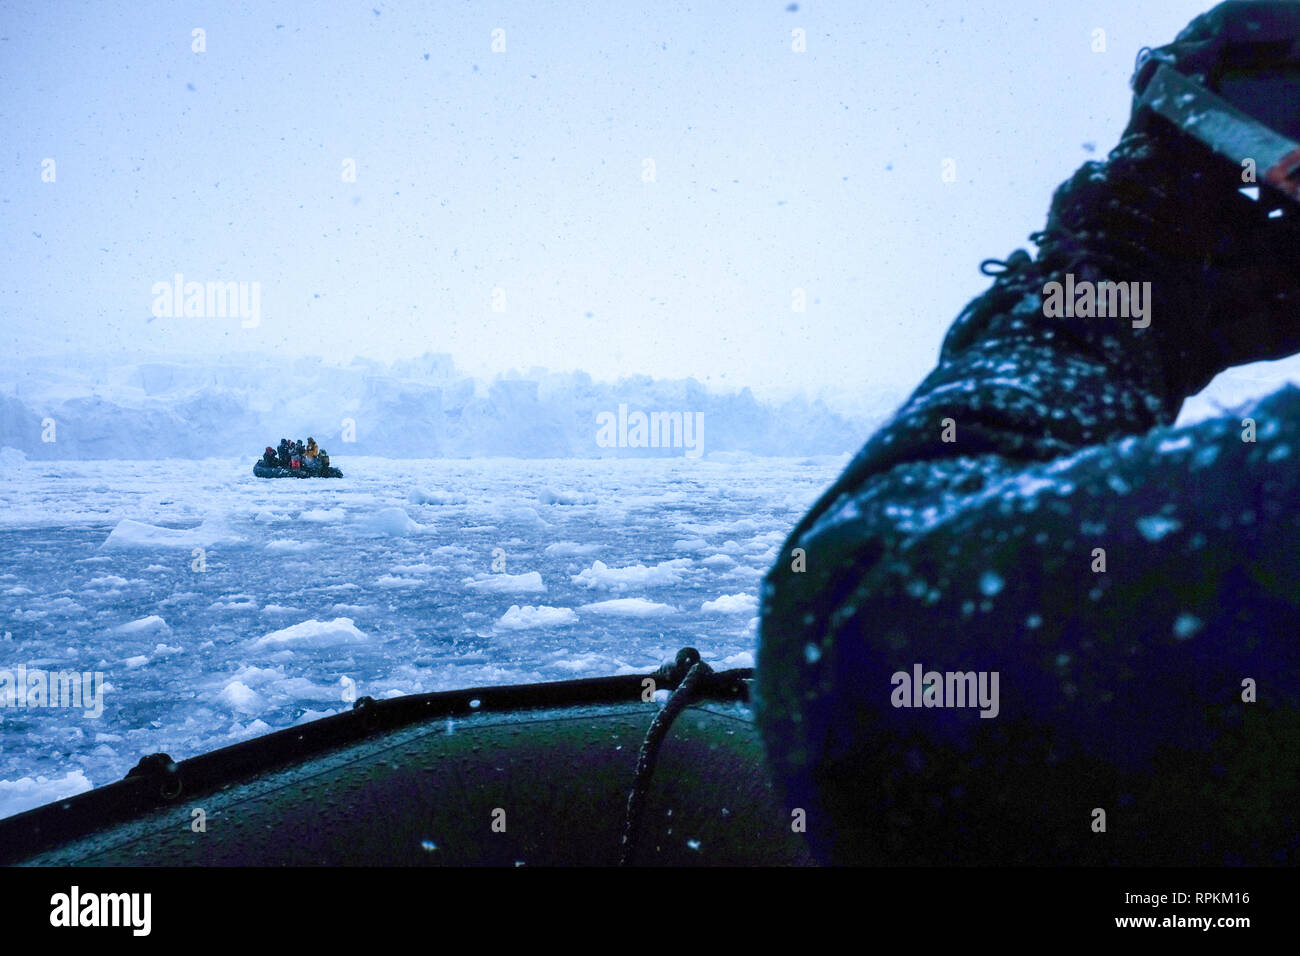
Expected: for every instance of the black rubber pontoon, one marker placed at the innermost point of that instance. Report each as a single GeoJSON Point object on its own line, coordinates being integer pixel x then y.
{"type": "Point", "coordinates": [262, 470]}
{"type": "Point", "coordinates": [535, 774]}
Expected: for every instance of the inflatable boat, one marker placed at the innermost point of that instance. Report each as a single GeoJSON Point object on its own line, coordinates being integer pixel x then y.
{"type": "Point", "coordinates": [594, 772]}
{"type": "Point", "coordinates": [263, 470]}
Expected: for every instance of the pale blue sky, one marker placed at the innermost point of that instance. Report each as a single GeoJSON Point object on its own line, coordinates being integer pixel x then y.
{"type": "Point", "coordinates": [523, 170]}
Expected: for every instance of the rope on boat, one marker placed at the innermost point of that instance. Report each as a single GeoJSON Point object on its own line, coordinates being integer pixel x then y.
{"type": "Point", "coordinates": [696, 676]}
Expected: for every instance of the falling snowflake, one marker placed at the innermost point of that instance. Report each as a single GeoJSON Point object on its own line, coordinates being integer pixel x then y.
{"type": "Point", "coordinates": [1155, 527]}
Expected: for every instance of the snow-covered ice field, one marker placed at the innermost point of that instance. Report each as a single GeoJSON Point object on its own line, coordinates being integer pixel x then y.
{"type": "Point", "coordinates": [219, 606]}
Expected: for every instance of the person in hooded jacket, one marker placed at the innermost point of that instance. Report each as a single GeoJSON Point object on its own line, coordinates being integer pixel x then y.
{"type": "Point", "coordinates": [1031, 622]}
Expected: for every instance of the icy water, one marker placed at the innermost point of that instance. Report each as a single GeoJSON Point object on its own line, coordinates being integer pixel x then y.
{"type": "Point", "coordinates": [219, 606]}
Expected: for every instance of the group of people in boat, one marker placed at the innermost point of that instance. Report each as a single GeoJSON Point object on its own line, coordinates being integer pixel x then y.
{"type": "Point", "coordinates": [296, 455]}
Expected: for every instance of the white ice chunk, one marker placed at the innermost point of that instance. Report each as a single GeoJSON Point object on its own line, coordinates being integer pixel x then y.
{"type": "Point", "coordinates": [522, 618]}
{"type": "Point", "coordinates": [391, 521]}
{"type": "Point", "coordinates": [600, 575]}
{"type": "Point", "coordinates": [731, 604]}
{"type": "Point", "coordinates": [130, 533]}
{"type": "Point", "coordinates": [27, 793]}
{"type": "Point", "coordinates": [629, 607]}
{"type": "Point", "coordinates": [313, 634]}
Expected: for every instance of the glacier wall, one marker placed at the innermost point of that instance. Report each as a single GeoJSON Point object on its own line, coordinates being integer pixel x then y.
{"type": "Point", "coordinates": [65, 406]}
